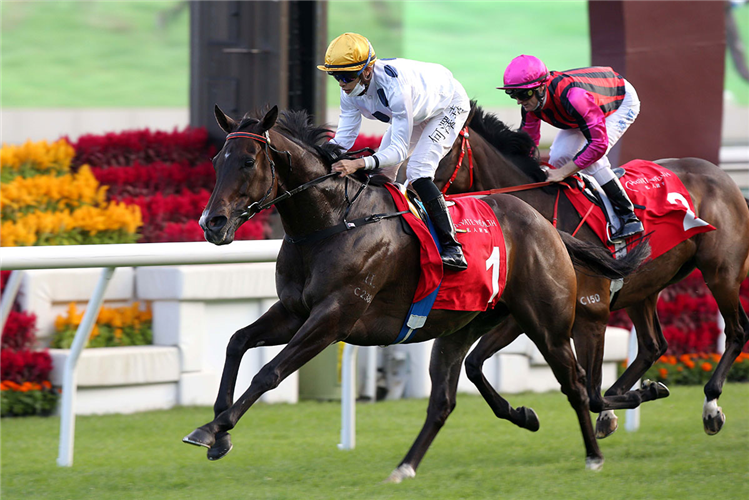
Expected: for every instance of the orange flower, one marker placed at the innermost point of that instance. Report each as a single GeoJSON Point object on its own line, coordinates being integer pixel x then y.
{"type": "Point", "coordinates": [679, 368]}
{"type": "Point", "coordinates": [12, 385]}
{"type": "Point", "coordinates": [689, 364]}
{"type": "Point", "coordinates": [663, 373]}
{"type": "Point", "coordinates": [46, 384]}
{"type": "Point", "coordinates": [706, 367]}
{"type": "Point", "coordinates": [715, 357]}
{"type": "Point", "coordinates": [3, 387]}
{"type": "Point", "coordinates": [685, 358]}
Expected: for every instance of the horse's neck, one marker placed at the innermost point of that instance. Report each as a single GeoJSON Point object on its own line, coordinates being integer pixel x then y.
{"type": "Point", "coordinates": [498, 171]}
{"type": "Point", "coordinates": [314, 208]}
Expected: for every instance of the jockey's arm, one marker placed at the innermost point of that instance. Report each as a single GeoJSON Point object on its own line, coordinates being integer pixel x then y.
{"type": "Point", "coordinates": [592, 123]}
{"type": "Point", "coordinates": [349, 124]}
{"type": "Point", "coordinates": [401, 125]}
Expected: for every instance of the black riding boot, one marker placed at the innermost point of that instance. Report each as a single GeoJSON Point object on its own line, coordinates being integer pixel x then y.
{"type": "Point", "coordinates": [630, 224]}
{"type": "Point", "coordinates": [452, 252]}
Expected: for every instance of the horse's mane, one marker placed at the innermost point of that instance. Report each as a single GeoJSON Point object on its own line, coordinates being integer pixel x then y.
{"type": "Point", "coordinates": [517, 146]}
{"type": "Point", "coordinates": [298, 126]}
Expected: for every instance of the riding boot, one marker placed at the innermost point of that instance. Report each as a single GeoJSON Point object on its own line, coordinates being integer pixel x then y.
{"type": "Point", "coordinates": [630, 224]}
{"type": "Point", "coordinates": [452, 252]}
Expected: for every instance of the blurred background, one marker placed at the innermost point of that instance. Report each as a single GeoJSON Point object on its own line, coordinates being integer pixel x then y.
{"type": "Point", "coordinates": [74, 67]}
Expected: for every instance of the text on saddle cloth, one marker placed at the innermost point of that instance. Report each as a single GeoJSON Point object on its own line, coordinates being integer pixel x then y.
{"type": "Point", "coordinates": [661, 202]}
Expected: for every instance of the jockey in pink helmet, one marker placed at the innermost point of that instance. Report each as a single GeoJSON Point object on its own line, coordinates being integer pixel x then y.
{"type": "Point", "coordinates": [593, 107]}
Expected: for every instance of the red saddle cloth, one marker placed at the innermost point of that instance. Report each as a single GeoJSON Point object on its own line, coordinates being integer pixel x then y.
{"type": "Point", "coordinates": [668, 214]}
{"type": "Point", "coordinates": [479, 287]}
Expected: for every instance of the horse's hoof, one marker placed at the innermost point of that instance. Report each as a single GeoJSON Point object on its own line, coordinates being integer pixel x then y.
{"type": "Point", "coordinates": [529, 419]}
{"type": "Point", "coordinates": [404, 471]}
{"type": "Point", "coordinates": [594, 464]}
{"type": "Point", "coordinates": [606, 424]}
{"type": "Point", "coordinates": [713, 417]}
{"type": "Point", "coordinates": [221, 447]}
{"type": "Point", "coordinates": [199, 437]}
{"type": "Point", "coordinates": [658, 389]}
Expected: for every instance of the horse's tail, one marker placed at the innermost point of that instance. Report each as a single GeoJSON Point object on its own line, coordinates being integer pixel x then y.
{"type": "Point", "coordinates": [599, 260]}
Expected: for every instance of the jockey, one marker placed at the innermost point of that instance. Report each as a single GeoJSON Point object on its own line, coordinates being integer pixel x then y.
{"type": "Point", "coordinates": [426, 109]}
{"type": "Point", "coordinates": [594, 107]}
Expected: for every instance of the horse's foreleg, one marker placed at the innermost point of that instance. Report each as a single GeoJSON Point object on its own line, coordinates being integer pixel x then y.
{"type": "Point", "coordinates": [275, 327]}
{"type": "Point", "coordinates": [444, 371]}
{"type": "Point", "coordinates": [724, 284]}
{"type": "Point", "coordinates": [322, 328]}
{"type": "Point", "coordinates": [490, 343]}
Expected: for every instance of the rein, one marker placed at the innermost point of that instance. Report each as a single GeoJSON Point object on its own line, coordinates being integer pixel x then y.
{"type": "Point", "coordinates": [465, 144]}
{"type": "Point", "coordinates": [259, 206]}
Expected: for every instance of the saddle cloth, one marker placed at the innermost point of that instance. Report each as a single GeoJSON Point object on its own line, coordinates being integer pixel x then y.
{"type": "Point", "coordinates": [668, 216]}
{"type": "Point", "coordinates": [479, 287]}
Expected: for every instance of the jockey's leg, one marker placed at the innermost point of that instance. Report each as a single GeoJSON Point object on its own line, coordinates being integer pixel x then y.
{"type": "Point", "coordinates": [434, 142]}
{"type": "Point", "coordinates": [621, 203]}
{"type": "Point", "coordinates": [452, 252]}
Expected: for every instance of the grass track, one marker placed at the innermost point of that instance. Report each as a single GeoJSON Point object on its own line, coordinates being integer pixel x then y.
{"type": "Point", "coordinates": [289, 452]}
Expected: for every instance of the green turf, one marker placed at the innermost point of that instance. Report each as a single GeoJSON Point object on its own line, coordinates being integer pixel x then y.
{"type": "Point", "coordinates": [289, 452]}
{"type": "Point", "coordinates": [113, 54]}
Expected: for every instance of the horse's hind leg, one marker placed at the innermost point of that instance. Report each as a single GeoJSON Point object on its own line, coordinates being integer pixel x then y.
{"type": "Point", "coordinates": [490, 343]}
{"type": "Point", "coordinates": [724, 283]}
{"type": "Point", "coordinates": [651, 345]}
{"type": "Point", "coordinates": [444, 370]}
{"type": "Point", "coordinates": [275, 327]}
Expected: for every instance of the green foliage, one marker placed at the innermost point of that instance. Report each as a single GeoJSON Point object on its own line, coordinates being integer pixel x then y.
{"type": "Point", "coordinates": [78, 236]}
{"type": "Point", "coordinates": [24, 403]}
{"type": "Point", "coordinates": [289, 452]}
{"type": "Point", "coordinates": [106, 337]}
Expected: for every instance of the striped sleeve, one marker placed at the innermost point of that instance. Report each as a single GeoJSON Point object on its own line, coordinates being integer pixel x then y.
{"type": "Point", "coordinates": [531, 124]}
{"type": "Point", "coordinates": [581, 105]}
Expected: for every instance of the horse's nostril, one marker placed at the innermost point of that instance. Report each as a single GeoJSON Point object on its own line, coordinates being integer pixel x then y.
{"type": "Point", "coordinates": [216, 223]}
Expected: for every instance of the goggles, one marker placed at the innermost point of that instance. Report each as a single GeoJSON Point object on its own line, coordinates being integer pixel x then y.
{"type": "Point", "coordinates": [345, 76]}
{"type": "Point", "coordinates": [520, 94]}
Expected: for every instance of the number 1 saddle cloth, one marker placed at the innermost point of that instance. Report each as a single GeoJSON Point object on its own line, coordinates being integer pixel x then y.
{"type": "Point", "coordinates": [479, 287]}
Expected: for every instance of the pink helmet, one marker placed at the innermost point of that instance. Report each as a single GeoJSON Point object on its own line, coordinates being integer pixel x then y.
{"type": "Point", "coordinates": [525, 72]}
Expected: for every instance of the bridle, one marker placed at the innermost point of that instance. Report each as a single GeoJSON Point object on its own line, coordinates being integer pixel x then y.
{"type": "Point", "coordinates": [464, 145]}
{"type": "Point", "coordinates": [259, 206]}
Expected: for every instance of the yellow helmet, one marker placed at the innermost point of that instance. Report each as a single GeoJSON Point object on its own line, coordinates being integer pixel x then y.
{"type": "Point", "coordinates": [348, 52]}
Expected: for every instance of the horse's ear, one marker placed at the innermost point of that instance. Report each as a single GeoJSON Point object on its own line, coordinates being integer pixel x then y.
{"type": "Point", "coordinates": [226, 123]}
{"type": "Point", "coordinates": [269, 119]}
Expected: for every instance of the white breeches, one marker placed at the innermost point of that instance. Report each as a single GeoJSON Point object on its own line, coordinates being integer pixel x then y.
{"type": "Point", "coordinates": [432, 139]}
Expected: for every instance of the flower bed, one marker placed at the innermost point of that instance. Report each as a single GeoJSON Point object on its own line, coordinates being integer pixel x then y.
{"type": "Point", "coordinates": [696, 369]}
{"type": "Point", "coordinates": [688, 315]}
{"type": "Point", "coordinates": [115, 327]}
{"type": "Point", "coordinates": [25, 388]}
{"type": "Point", "coordinates": [43, 203]}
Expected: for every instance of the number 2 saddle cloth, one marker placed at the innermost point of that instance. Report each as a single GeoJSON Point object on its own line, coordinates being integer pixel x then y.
{"type": "Point", "coordinates": [479, 287]}
{"type": "Point", "coordinates": [661, 202]}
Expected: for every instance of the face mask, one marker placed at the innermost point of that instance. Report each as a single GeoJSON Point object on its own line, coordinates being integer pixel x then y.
{"type": "Point", "coordinates": [359, 89]}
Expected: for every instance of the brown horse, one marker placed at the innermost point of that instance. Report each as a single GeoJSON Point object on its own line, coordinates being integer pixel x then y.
{"type": "Point", "coordinates": [503, 158]}
{"type": "Point", "coordinates": [356, 285]}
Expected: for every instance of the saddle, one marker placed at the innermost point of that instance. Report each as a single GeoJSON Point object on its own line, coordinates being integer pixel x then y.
{"type": "Point", "coordinates": [589, 187]}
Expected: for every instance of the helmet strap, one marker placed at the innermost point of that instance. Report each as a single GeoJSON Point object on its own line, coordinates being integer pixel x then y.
{"type": "Point", "coordinates": [540, 96]}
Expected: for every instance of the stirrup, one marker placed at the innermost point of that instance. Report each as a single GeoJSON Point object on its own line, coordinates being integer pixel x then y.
{"type": "Point", "coordinates": [627, 229]}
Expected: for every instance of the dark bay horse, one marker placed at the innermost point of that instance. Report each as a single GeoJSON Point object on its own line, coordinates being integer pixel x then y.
{"type": "Point", "coordinates": [503, 158]}
{"type": "Point", "coordinates": [357, 285]}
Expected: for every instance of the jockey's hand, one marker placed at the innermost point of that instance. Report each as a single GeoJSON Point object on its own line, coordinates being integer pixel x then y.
{"type": "Point", "coordinates": [560, 174]}
{"type": "Point", "coordinates": [346, 167]}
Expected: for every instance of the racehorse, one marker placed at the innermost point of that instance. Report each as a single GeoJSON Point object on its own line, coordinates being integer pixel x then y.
{"type": "Point", "coordinates": [502, 158]}
{"type": "Point", "coordinates": [356, 285]}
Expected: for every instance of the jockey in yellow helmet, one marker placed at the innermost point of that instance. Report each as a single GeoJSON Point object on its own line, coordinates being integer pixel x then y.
{"type": "Point", "coordinates": [426, 108]}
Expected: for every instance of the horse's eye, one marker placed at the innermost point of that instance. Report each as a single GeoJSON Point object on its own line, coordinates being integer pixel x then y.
{"type": "Point", "coordinates": [249, 163]}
